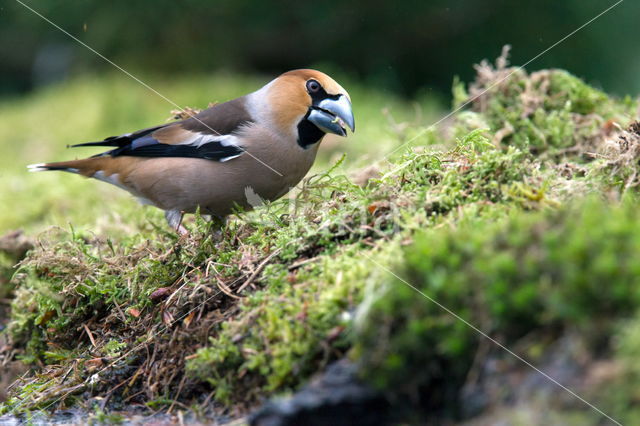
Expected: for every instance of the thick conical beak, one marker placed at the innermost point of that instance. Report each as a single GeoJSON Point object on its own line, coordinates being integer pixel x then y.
{"type": "Point", "coordinates": [333, 115]}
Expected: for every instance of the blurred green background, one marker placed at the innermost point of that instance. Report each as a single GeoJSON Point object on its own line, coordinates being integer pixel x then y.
{"type": "Point", "coordinates": [404, 46]}
{"type": "Point", "coordinates": [397, 59]}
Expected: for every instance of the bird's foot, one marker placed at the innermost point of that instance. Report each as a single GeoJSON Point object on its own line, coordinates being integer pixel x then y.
{"type": "Point", "coordinates": [182, 231]}
{"type": "Point", "coordinates": [174, 219]}
{"type": "Point", "coordinates": [218, 224]}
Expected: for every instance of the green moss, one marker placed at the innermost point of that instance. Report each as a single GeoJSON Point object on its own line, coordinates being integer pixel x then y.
{"type": "Point", "coordinates": [488, 219]}
{"type": "Point", "coordinates": [565, 88]}
{"type": "Point", "coordinates": [100, 417]}
{"type": "Point", "coordinates": [284, 333]}
{"type": "Point", "coordinates": [547, 112]}
{"type": "Point", "coordinates": [567, 269]}
{"type": "Point", "coordinates": [299, 322]}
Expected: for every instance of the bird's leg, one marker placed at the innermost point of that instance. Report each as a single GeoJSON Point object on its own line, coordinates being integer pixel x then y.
{"type": "Point", "coordinates": [218, 221]}
{"type": "Point", "coordinates": [174, 218]}
{"type": "Point", "coordinates": [217, 224]}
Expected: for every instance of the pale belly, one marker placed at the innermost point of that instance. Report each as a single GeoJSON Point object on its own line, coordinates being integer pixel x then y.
{"type": "Point", "coordinates": [186, 184]}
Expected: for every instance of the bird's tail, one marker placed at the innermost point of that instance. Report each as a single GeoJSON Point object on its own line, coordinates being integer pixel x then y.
{"type": "Point", "coordinates": [84, 167]}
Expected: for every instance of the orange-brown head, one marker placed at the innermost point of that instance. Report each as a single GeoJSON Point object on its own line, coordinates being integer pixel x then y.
{"type": "Point", "coordinates": [312, 102]}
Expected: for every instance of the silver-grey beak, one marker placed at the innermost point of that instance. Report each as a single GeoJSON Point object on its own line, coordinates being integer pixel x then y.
{"type": "Point", "coordinates": [332, 115]}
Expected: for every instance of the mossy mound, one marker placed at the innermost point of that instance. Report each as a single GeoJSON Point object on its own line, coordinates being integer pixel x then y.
{"type": "Point", "coordinates": [548, 272]}
{"type": "Point", "coordinates": [521, 221]}
{"type": "Point", "coordinates": [549, 113]}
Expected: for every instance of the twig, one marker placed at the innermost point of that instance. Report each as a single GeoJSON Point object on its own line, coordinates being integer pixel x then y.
{"type": "Point", "coordinates": [258, 270]}
{"type": "Point", "coordinates": [67, 373]}
{"type": "Point", "coordinates": [129, 398]}
{"type": "Point", "coordinates": [122, 315]}
{"type": "Point", "coordinates": [86, 329]}
{"type": "Point", "coordinates": [175, 292]}
{"type": "Point", "coordinates": [175, 399]}
{"type": "Point", "coordinates": [301, 263]}
{"type": "Point", "coordinates": [226, 290]}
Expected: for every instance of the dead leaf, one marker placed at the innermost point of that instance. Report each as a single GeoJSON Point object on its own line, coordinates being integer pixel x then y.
{"type": "Point", "coordinates": [160, 294]}
{"type": "Point", "coordinates": [378, 205]}
{"type": "Point", "coordinates": [189, 318]}
{"type": "Point", "coordinates": [93, 364]}
{"type": "Point", "coordinates": [46, 317]}
{"type": "Point", "coordinates": [167, 318]}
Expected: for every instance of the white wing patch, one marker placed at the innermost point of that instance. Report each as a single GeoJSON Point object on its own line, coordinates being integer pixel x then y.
{"type": "Point", "coordinates": [199, 139]}
{"type": "Point", "coordinates": [231, 157]}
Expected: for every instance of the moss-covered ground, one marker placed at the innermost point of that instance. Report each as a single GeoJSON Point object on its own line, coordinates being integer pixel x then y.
{"type": "Point", "coordinates": [519, 215]}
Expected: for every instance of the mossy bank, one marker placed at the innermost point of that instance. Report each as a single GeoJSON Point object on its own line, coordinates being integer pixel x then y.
{"type": "Point", "coordinates": [516, 223]}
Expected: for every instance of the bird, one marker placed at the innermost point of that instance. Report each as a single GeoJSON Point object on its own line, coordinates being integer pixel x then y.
{"type": "Point", "coordinates": [226, 157]}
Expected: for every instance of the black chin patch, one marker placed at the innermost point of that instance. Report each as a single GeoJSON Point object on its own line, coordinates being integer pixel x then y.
{"type": "Point", "coordinates": [308, 133]}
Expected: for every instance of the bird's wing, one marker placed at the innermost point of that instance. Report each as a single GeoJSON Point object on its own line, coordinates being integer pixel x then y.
{"type": "Point", "coordinates": [210, 135]}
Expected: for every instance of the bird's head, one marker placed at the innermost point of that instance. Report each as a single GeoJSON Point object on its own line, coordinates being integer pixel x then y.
{"type": "Point", "coordinates": [313, 103]}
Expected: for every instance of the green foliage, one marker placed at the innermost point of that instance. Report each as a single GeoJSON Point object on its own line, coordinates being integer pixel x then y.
{"type": "Point", "coordinates": [583, 99]}
{"type": "Point", "coordinates": [113, 348]}
{"type": "Point", "coordinates": [527, 271]}
{"type": "Point", "coordinates": [100, 417]}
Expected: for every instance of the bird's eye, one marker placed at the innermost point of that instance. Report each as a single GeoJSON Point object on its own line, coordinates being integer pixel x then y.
{"type": "Point", "coordinates": [313, 86]}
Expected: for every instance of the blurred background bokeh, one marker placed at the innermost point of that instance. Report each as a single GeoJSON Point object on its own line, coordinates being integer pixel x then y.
{"type": "Point", "coordinates": [397, 60]}
{"type": "Point", "coordinates": [405, 46]}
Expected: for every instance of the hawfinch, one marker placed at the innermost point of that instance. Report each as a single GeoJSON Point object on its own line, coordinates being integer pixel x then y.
{"type": "Point", "coordinates": [261, 144]}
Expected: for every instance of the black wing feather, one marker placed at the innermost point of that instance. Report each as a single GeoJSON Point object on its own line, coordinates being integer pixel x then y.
{"type": "Point", "coordinates": [208, 151]}
{"type": "Point", "coordinates": [221, 119]}
{"type": "Point", "coordinates": [121, 140]}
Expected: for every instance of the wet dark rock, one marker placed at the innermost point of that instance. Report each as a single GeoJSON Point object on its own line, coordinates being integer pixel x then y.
{"type": "Point", "coordinates": [15, 244]}
{"type": "Point", "coordinates": [504, 382]}
{"type": "Point", "coordinates": [336, 397]}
